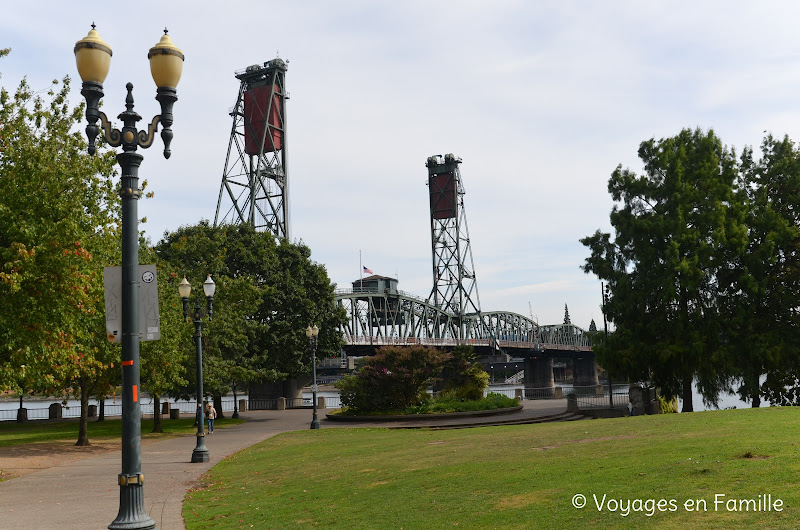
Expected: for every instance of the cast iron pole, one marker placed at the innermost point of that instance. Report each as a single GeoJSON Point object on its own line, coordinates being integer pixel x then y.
{"type": "Point", "coordinates": [200, 453]}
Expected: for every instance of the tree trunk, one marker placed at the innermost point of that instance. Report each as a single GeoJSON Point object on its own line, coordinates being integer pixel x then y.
{"type": "Point", "coordinates": [687, 395]}
{"type": "Point", "coordinates": [756, 390]}
{"type": "Point", "coordinates": [218, 406]}
{"type": "Point", "coordinates": [101, 415]}
{"type": "Point", "coordinates": [157, 414]}
{"type": "Point", "coordinates": [83, 425]}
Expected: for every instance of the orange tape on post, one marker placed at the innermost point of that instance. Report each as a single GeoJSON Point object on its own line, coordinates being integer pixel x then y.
{"type": "Point", "coordinates": [135, 394]}
{"type": "Point", "coordinates": [127, 363]}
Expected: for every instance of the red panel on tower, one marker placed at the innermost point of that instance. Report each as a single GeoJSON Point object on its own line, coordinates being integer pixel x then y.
{"type": "Point", "coordinates": [256, 107]}
{"type": "Point", "coordinates": [442, 188]}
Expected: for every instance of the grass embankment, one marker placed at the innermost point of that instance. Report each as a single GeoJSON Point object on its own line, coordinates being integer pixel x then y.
{"type": "Point", "coordinates": [12, 433]}
{"type": "Point", "coordinates": [516, 476]}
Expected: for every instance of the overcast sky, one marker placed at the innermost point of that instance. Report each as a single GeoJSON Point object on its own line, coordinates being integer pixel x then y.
{"type": "Point", "coordinates": [541, 100]}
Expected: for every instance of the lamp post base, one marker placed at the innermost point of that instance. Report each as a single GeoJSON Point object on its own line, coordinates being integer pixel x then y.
{"type": "Point", "coordinates": [132, 514]}
{"type": "Point", "coordinates": [200, 455]}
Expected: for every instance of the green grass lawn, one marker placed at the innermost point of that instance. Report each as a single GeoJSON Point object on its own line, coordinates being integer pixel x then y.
{"type": "Point", "coordinates": [12, 433]}
{"type": "Point", "coordinates": [523, 476]}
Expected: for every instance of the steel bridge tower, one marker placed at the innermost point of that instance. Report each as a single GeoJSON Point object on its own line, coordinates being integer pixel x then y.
{"type": "Point", "coordinates": [255, 184]}
{"type": "Point", "coordinates": [455, 290]}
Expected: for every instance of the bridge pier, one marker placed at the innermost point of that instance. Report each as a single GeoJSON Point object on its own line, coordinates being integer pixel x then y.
{"type": "Point", "coordinates": [539, 376]}
{"type": "Point", "coordinates": [584, 372]}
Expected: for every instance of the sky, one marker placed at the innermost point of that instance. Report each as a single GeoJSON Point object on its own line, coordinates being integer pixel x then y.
{"type": "Point", "coordinates": [541, 100]}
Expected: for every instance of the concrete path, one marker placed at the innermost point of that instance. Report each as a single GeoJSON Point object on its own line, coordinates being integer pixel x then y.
{"type": "Point", "coordinates": [84, 494]}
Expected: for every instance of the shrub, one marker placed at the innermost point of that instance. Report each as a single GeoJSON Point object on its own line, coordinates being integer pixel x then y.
{"type": "Point", "coordinates": [447, 402]}
{"type": "Point", "coordinates": [668, 406]}
{"type": "Point", "coordinates": [393, 379]}
{"type": "Point", "coordinates": [465, 378]}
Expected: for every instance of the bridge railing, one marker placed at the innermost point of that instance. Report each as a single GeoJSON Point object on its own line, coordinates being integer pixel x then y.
{"type": "Point", "coordinates": [363, 340]}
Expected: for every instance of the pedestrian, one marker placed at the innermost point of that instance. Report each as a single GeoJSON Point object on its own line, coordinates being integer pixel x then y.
{"type": "Point", "coordinates": [211, 415]}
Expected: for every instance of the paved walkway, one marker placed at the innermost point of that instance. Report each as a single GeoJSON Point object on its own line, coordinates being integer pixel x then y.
{"type": "Point", "coordinates": [84, 494]}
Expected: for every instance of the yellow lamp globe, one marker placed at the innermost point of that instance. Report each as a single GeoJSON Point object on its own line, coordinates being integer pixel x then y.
{"type": "Point", "coordinates": [166, 62]}
{"type": "Point", "coordinates": [93, 57]}
{"type": "Point", "coordinates": [184, 288]}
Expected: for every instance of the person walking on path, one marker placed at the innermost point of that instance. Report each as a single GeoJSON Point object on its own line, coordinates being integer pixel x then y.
{"type": "Point", "coordinates": [211, 415]}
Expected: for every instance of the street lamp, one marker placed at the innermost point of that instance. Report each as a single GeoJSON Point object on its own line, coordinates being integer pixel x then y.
{"type": "Point", "coordinates": [200, 452]}
{"type": "Point", "coordinates": [93, 58]}
{"type": "Point", "coordinates": [22, 414]}
{"type": "Point", "coordinates": [235, 414]}
{"type": "Point", "coordinates": [312, 333]}
{"type": "Point", "coordinates": [604, 293]}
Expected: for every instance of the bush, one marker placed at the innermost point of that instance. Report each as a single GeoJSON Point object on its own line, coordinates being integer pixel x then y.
{"type": "Point", "coordinates": [447, 402]}
{"type": "Point", "coordinates": [465, 378]}
{"type": "Point", "coordinates": [392, 380]}
{"type": "Point", "coordinates": [668, 406]}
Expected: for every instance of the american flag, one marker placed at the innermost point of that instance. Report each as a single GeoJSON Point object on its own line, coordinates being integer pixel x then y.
{"type": "Point", "coordinates": [368, 271]}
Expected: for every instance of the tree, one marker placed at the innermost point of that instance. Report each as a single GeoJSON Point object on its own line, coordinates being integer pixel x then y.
{"type": "Point", "coordinates": [566, 316]}
{"type": "Point", "coordinates": [58, 213]}
{"type": "Point", "coordinates": [676, 226]}
{"type": "Point", "coordinates": [393, 379]}
{"type": "Point", "coordinates": [762, 305]}
{"type": "Point", "coordinates": [268, 292]}
{"type": "Point", "coordinates": [463, 376]}
{"type": "Point", "coordinates": [164, 362]}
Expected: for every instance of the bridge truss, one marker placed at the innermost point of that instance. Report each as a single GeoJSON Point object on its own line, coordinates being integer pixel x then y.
{"type": "Point", "coordinates": [397, 318]}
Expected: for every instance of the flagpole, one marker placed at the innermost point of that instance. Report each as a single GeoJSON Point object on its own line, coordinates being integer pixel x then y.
{"type": "Point", "coordinates": [360, 273]}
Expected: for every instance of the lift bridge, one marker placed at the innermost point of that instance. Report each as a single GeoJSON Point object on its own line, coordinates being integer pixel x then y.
{"type": "Point", "coordinates": [255, 191]}
{"type": "Point", "coordinates": [379, 314]}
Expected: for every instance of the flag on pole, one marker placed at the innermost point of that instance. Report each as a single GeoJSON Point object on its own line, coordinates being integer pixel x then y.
{"type": "Point", "coordinates": [368, 271]}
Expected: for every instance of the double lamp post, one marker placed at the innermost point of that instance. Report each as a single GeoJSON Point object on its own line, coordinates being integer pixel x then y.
{"type": "Point", "coordinates": [93, 59]}
{"type": "Point", "coordinates": [200, 453]}
{"type": "Point", "coordinates": [312, 334]}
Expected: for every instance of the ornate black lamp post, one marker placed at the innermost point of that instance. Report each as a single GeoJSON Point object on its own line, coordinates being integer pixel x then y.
{"type": "Point", "coordinates": [22, 414]}
{"type": "Point", "coordinates": [93, 58]}
{"type": "Point", "coordinates": [312, 333]}
{"type": "Point", "coordinates": [200, 453]}
{"type": "Point", "coordinates": [235, 414]}
{"type": "Point", "coordinates": [604, 292]}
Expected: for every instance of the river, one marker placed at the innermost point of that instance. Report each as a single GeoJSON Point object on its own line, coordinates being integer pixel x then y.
{"type": "Point", "coordinates": [37, 409]}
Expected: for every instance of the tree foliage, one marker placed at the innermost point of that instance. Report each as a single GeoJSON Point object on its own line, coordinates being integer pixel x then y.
{"type": "Point", "coordinates": [268, 292]}
{"type": "Point", "coordinates": [464, 377]}
{"type": "Point", "coordinates": [58, 221]}
{"type": "Point", "coordinates": [165, 362]}
{"type": "Point", "coordinates": [762, 311]}
{"type": "Point", "coordinates": [675, 229]}
{"type": "Point", "coordinates": [393, 379]}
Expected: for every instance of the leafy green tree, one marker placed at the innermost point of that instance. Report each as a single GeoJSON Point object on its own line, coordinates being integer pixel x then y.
{"type": "Point", "coordinates": [675, 229]}
{"type": "Point", "coordinates": [58, 213]}
{"type": "Point", "coordinates": [392, 379]}
{"type": "Point", "coordinates": [164, 362]}
{"type": "Point", "coordinates": [567, 321]}
{"type": "Point", "coordinates": [761, 306]}
{"type": "Point", "coordinates": [463, 376]}
{"type": "Point", "coordinates": [268, 292]}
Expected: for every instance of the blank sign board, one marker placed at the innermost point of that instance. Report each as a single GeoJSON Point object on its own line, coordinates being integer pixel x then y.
{"type": "Point", "coordinates": [149, 327]}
